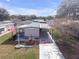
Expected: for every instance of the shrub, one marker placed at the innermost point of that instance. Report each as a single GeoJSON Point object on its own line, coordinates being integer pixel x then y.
{"type": "Point", "coordinates": [56, 33]}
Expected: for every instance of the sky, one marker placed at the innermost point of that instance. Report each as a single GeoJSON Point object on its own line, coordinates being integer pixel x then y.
{"type": "Point", "coordinates": [31, 7]}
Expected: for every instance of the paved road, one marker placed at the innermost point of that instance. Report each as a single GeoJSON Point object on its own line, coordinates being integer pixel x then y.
{"type": "Point", "coordinates": [50, 51]}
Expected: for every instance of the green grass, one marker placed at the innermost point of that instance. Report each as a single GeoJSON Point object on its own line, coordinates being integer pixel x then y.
{"type": "Point", "coordinates": [8, 51]}
{"type": "Point", "coordinates": [6, 36]}
{"type": "Point", "coordinates": [29, 55]}
{"type": "Point", "coordinates": [56, 33]}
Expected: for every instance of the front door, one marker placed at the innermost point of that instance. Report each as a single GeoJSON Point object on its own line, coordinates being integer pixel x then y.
{"type": "Point", "coordinates": [21, 33]}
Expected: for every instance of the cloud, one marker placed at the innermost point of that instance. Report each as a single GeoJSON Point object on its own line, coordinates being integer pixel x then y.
{"type": "Point", "coordinates": [38, 12]}
{"type": "Point", "coordinates": [26, 11]}
{"type": "Point", "coordinates": [8, 0]}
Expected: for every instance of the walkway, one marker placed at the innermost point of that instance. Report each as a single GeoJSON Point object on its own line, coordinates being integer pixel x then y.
{"type": "Point", "coordinates": [50, 50]}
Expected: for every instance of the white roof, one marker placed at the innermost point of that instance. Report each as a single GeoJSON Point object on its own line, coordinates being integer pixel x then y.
{"type": "Point", "coordinates": [2, 27]}
{"type": "Point", "coordinates": [40, 21]}
{"type": "Point", "coordinates": [45, 26]}
{"type": "Point", "coordinates": [5, 22]}
{"type": "Point", "coordinates": [36, 25]}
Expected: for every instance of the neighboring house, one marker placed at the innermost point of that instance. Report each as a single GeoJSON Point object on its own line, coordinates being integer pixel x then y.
{"type": "Point", "coordinates": [39, 21]}
{"type": "Point", "coordinates": [35, 30]}
{"type": "Point", "coordinates": [6, 26]}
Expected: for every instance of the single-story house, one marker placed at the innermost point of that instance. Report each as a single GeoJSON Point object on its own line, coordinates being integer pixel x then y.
{"type": "Point", "coordinates": [33, 30]}
{"type": "Point", "coordinates": [6, 26]}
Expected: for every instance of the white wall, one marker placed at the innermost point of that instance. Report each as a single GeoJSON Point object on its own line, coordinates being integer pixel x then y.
{"type": "Point", "coordinates": [32, 32]}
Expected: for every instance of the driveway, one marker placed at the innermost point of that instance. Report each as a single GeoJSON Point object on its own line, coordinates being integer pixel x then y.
{"type": "Point", "coordinates": [49, 50]}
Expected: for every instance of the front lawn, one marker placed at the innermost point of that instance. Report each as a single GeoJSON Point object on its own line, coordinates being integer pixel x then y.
{"type": "Point", "coordinates": [9, 52]}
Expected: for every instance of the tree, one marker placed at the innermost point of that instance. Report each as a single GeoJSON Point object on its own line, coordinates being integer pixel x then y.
{"type": "Point", "coordinates": [33, 17]}
{"type": "Point", "coordinates": [49, 17]}
{"type": "Point", "coordinates": [4, 15]}
{"type": "Point", "coordinates": [21, 17]}
{"type": "Point", "coordinates": [69, 8]}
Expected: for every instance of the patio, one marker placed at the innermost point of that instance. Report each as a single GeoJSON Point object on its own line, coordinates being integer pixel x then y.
{"type": "Point", "coordinates": [43, 39]}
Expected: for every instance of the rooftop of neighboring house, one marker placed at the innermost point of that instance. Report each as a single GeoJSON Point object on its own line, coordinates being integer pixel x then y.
{"type": "Point", "coordinates": [39, 20]}
{"type": "Point", "coordinates": [35, 24]}
{"type": "Point", "coordinates": [5, 23]}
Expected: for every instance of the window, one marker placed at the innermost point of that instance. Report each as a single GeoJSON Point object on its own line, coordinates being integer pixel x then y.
{"type": "Point", "coordinates": [1, 29]}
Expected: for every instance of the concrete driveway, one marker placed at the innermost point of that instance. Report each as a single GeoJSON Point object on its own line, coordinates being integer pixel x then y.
{"type": "Point", "coordinates": [49, 50]}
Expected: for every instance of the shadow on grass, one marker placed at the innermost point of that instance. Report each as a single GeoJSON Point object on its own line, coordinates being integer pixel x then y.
{"type": "Point", "coordinates": [10, 41]}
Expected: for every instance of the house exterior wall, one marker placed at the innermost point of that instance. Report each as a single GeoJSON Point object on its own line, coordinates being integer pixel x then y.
{"type": "Point", "coordinates": [34, 32]}
{"type": "Point", "coordinates": [7, 27]}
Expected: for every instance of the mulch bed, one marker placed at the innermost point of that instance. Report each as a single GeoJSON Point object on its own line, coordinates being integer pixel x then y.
{"type": "Point", "coordinates": [32, 42]}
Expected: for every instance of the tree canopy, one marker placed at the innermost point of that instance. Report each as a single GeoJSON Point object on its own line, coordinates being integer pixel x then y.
{"type": "Point", "coordinates": [69, 8]}
{"type": "Point", "coordinates": [4, 15]}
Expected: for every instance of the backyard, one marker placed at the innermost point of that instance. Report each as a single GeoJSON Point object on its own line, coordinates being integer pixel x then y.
{"type": "Point", "coordinates": [8, 51]}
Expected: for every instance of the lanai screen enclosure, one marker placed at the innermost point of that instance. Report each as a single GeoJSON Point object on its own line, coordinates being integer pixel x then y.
{"type": "Point", "coordinates": [32, 31]}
